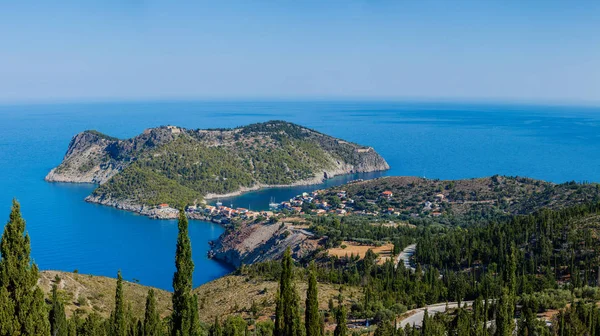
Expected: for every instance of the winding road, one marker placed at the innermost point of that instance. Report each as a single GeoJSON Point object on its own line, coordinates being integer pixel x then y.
{"type": "Point", "coordinates": [417, 315]}
{"type": "Point", "coordinates": [405, 255]}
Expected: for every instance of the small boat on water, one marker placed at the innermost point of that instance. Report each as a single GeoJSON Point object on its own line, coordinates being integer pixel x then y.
{"type": "Point", "coordinates": [273, 204]}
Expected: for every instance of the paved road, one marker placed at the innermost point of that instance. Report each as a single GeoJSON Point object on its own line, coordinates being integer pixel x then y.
{"type": "Point", "coordinates": [405, 255]}
{"type": "Point", "coordinates": [418, 314]}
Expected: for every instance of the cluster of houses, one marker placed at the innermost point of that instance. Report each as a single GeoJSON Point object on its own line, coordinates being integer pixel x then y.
{"type": "Point", "coordinates": [317, 205]}
{"type": "Point", "coordinates": [223, 214]}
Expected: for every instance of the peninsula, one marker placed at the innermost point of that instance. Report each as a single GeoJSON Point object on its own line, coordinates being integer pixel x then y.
{"type": "Point", "coordinates": [169, 167]}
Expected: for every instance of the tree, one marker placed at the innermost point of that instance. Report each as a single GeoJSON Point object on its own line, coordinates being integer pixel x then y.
{"type": "Point", "coordinates": [184, 321]}
{"type": "Point", "coordinates": [118, 326]}
{"type": "Point", "coordinates": [23, 310]}
{"type": "Point", "coordinates": [341, 329]}
{"type": "Point", "coordinates": [287, 310]}
{"type": "Point", "coordinates": [151, 325]}
{"type": "Point", "coordinates": [385, 328]}
{"type": "Point", "coordinates": [504, 317]}
{"type": "Point", "coordinates": [215, 329]}
{"type": "Point", "coordinates": [312, 318]}
{"type": "Point", "coordinates": [57, 317]}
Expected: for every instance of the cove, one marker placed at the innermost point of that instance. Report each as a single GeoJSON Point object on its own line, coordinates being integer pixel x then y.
{"type": "Point", "coordinates": [436, 140]}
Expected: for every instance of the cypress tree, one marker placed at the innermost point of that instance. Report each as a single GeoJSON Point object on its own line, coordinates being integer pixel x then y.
{"type": "Point", "coordinates": [341, 329]}
{"type": "Point", "coordinates": [57, 317]}
{"type": "Point", "coordinates": [287, 311]}
{"type": "Point", "coordinates": [151, 325]}
{"type": "Point", "coordinates": [215, 329]}
{"type": "Point", "coordinates": [23, 310]}
{"type": "Point", "coordinates": [183, 321]}
{"type": "Point", "coordinates": [139, 329]}
{"type": "Point", "coordinates": [504, 317]}
{"type": "Point", "coordinates": [312, 318]}
{"type": "Point", "coordinates": [118, 326]}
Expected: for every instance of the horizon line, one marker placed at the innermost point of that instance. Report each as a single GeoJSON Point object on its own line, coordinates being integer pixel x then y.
{"type": "Point", "coordinates": [300, 99]}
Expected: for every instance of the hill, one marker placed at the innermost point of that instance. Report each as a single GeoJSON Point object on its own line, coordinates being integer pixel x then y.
{"type": "Point", "coordinates": [179, 166]}
{"type": "Point", "coordinates": [90, 293]}
{"type": "Point", "coordinates": [228, 295]}
{"type": "Point", "coordinates": [461, 201]}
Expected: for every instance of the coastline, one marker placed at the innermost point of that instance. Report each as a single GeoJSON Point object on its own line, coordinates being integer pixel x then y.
{"type": "Point", "coordinates": [171, 213]}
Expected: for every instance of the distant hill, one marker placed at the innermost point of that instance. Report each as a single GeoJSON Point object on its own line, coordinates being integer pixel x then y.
{"type": "Point", "coordinates": [464, 200]}
{"type": "Point", "coordinates": [179, 166]}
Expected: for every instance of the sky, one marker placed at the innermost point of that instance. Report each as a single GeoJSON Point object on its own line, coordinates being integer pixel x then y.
{"type": "Point", "coordinates": [540, 51]}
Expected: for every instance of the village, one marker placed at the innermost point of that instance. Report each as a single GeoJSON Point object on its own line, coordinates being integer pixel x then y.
{"type": "Point", "coordinates": [319, 202]}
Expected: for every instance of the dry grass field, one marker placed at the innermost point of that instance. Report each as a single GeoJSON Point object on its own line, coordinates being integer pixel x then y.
{"type": "Point", "coordinates": [349, 248]}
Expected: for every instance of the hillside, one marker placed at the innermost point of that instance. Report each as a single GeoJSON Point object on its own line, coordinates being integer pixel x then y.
{"type": "Point", "coordinates": [461, 201]}
{"type": "Point", "coordinates": [90, 293]}
{"type": "Point", "coordinates": [228, 295]}
{"type": "Point", "coordinates": [180, 166]}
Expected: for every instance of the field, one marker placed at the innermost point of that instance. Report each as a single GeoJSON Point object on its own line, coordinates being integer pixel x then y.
{"type": "Point", "coordinates": [349, 248]}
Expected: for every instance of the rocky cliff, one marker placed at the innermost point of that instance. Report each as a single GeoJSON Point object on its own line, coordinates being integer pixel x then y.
{"type": "Point", "coordinates": [181, 166]}
{"type": "Point", "coordinates": [259, 242]}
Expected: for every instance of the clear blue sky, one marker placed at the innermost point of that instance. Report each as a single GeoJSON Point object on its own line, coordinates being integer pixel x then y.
{"type": "Point", "coordinates": [67, 50]}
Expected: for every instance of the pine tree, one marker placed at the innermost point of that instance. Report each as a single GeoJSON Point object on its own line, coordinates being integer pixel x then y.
{"type": "Point", "coordinates": [118, 326]}
{"type": "Point", "coordinates": [287, 311]}
{"type": "Point", "coordinates": [312, 318]}
{"type": "Point", "coordinates": [341, 329]}
{"type": "Point", "coordinates": [184, 321]}
{"type": "Point", "coordinates": [23, 310]}
{"type": "Point", "coordinates": [57, 317]}
{"type": "Point", "coordinates": [151, 325]}
{"type": "Point", "coordinates": [385, 328]}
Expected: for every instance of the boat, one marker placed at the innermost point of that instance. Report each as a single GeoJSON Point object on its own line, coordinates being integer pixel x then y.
{"type": "Point", "coordinates": [273, 204]}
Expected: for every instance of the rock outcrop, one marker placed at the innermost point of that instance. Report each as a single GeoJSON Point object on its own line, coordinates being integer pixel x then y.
{"type": "Point", "coordinates": [259, 242]}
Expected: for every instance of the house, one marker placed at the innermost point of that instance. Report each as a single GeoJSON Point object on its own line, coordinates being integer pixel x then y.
{"type": "Point", "coordinates": [387, 194]}
{"type": "Point", "coordinates": [209, 209]}
{"type": "Point", "coordinates": [440, 197]}
{"type": "Point", "coordinates": [227, 212]}
{"type": "Point", "coordinates": [341, 211]}
{"type": "Point", "coordinates": [163, 206]}
{"type": "Point", "coordinates": [192, 208]}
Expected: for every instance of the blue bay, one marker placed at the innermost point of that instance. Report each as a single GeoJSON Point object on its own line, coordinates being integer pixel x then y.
{"type": "Point", "coordinates": [436, 140]}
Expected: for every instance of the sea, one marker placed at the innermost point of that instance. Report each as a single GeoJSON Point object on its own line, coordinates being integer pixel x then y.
{"type": "Point", "coordinates": [437, 140]}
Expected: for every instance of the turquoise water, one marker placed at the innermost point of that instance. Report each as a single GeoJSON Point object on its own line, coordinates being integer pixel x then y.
{"type": "Point", "coordinates": [445, 141]}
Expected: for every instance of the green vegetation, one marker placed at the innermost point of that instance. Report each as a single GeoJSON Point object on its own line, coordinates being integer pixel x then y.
{"type": "Point", "coordinates": [22, 309]}
{"type": "Point", "coordinates": [142, 186]}
{"type": "Point", "coordinates": [57, 317]}
{"type": "Point", "coordinates": [312, 317]}
{"type": "Point", "coordinates": [462, 202]}
{"type": "Point", "coordinates": [152, 324]}
{"type": "Point", "coordinates": [184, 321]}
{"type": "Point", "coordinates": [287, 313]}
{"type": "Point", "coordinates": [514, 247]}
{"type": "Point", "coordinates": [101, 135]}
